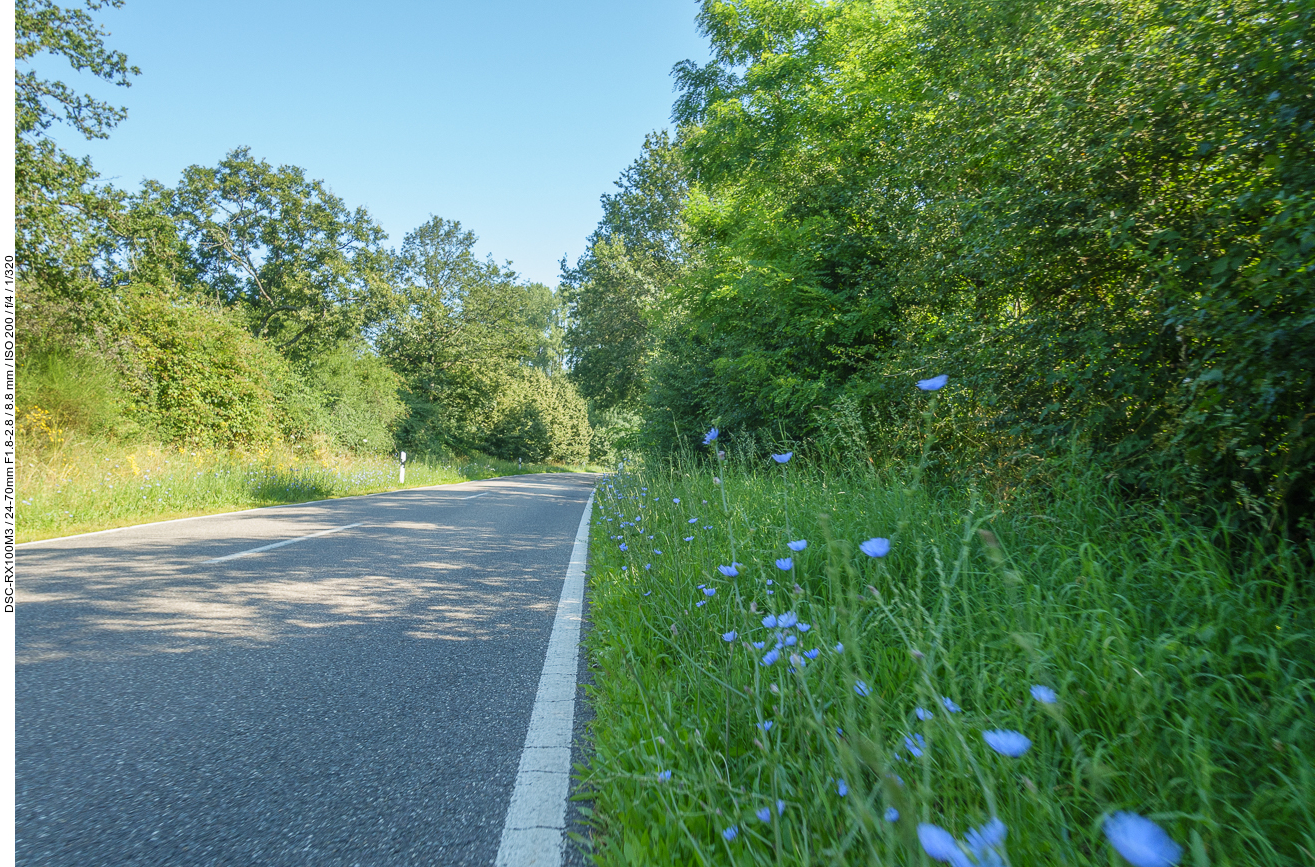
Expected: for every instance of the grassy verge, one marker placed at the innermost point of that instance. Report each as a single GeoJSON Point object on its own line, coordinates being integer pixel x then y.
{"type": "Point", "coordinates": [1181, 660]}
{"type": "Point", "coordinates": [91, 485]}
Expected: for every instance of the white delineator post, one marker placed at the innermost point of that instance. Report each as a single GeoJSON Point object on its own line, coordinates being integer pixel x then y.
{"type": "Point", "coordinates": [535, 828]}
{"type": "Point", "coordinates": [401, 470]}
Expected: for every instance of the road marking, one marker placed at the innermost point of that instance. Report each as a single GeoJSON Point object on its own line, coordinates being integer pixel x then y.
{"type": "Point", "coordinates": [535, 828]}
{"type": "Point", "coordinates": [473, 496]}
{"type": "Point", "coordinates": [281, 544]}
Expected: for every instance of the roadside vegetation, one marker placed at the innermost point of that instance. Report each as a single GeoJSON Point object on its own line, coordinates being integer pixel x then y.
{"type": "Point", "coordinates": [831, 661]}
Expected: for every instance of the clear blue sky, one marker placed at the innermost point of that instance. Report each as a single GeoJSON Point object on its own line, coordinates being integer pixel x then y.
{"type": "Point", "coordinates": [512, 117]}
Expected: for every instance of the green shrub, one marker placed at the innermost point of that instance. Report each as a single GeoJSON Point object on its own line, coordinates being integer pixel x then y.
{"type": "Point", "coordinates": [197, 376]}
{"type": "Point", "coordinates": [541, 418]}
{"type": "Point", "coordinates": [357, 397]}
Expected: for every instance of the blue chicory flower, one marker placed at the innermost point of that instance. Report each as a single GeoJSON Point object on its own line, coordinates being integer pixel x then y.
{"type": "Point", "coordinates": [765, 726]}
{"type": "Point", "coordinates": [765, 814]}
{"type": "Point", "coordinates": [936, 383]}
{"type": "Point", "coordinates": [710, 436]}
{"type": "Point", "coordinates": [759, 645]}
{"type": "Point", "coordinates": [623, 546]}
{"type": "Point", "coordinates": [1007, 742]}
{"type": "Point", "coordinates": [732, 832]}
{"type": "Point", "coordinates": [940, 845]}
{"type": "Point", "coordinates": [1140, 841]}
{"type": "Point", "coordinates": [1044, 694]}
{"type": "Point", "coordinates": [984, 841]}
{"type": "Point", "coordinates": [804, 627]}
{"type": "Point", "coordinates": [877, 547]}
{"type": "Point", "coordinates": [785, 564]}
{"type": "Point", "coordinates": [693, 520]}
{"type": "Point", "coordinates": [791, 640]}
{"type": "Point", "coordinates": [657, 552]}
{"type": "Point", "coordinates": [861, 688]}
{"type": "Point", "coordinates": [892, 815]}
{"type": "Point", "coordinates": [700, 603]}
{"type": "Point", "coordinates": [922, 713]}
{"type": "Point", "coordinates": [915, 744]}
{"type": "Point", "coordinates": [949, 704]}
{"type": "Point", "coordinates": [811, 654]}
{"type": "Point", "coordinates": [770, 621]}
{"type": "Point", "coordinates": [840, 648]}
{"type": "Point", "coordinates": [676, 500]}
{"type": "Point", "coordinates": [728, 571]}
{"type": "Point", "coordinates": [689, 538]}
{"type": "Point", "coordinates": [728, 636]}
{"type": "Point", "coordinates": [648, 565]}
{"type": "Point", "coordinates": [648, 592]}
{"type": "Point", "coordinates": [770, 657]}
{"type": "Point", "coordinates": [780, 807]}
{"type": "Point", "coordinates": [664, 776]}
{"type": "Point", "coordinates": [797, 546]}
{"type": "Point", "coordinates": [842, 788]}
{"type": "Point", "coordinates": [781, 459]}
{"type": "Point", "coordinates": [709, 591]}
{"type": "Point", "coordinates": [786, 620]}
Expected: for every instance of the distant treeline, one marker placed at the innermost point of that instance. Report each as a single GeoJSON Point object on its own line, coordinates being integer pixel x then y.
{"type": "Point", "coordinates": [1097, 216]}
{"type": "Point", "coordinates": [247, 305]}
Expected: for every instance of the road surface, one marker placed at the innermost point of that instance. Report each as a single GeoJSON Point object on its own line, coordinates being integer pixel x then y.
{"type": "Point", "coordinates": [357, 697]}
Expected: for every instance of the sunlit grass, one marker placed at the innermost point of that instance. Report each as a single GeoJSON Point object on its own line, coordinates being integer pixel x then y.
{"type": "Point", "coordinates": [1183, 661]}
{"type": "Point", "coordinates": [68, 485]}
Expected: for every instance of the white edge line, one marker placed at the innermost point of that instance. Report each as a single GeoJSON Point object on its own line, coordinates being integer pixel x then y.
{"type": "Point", "coordinates": [535, 827]}
{"type": "Point", "coordinates": [473, 496]}
{"type": "Point", "coordinates": [284, 542]}
{"type": "Point", "coordinates": [263, 508]}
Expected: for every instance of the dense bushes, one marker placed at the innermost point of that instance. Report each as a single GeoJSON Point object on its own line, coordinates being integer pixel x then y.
{"type": "Point", "coordinates": [1097, 216]}
{"type": "Point", "coordinates": [540, 418]}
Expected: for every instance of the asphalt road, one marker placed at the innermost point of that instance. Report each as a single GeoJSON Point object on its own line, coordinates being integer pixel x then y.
{"type": "Point", "coordinates": [356, 698]}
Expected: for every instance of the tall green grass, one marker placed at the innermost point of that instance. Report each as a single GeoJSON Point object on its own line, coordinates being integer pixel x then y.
{"type": "Point", "coordinates": [69, 484]}
{"type": "Point", "coordinates": [1183, 659]}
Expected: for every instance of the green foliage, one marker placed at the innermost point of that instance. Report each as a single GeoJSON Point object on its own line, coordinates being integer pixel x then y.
{"type": "Point", "coordinates": [78, 393]}
{"type": "Point", "coordinates": [358, 397]}
{"type": "Point", "coordinates": [540, 418]}
{"type": "Point", "coordinates": [1096, 216]}
{"type": "Point", "coordinates": [614, 290]}
{"type": "Point", "coordinates": [198, 377]}
{"type": "Point", "coordinates": [305, 270]}
{"type": "Point", "coordinates": [1182, 657]}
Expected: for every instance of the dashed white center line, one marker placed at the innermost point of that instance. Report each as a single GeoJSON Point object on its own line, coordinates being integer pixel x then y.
{"type": "Point", "coordinates": [281, 544]}
{"type": "Point", "coordinates": [473, 496]}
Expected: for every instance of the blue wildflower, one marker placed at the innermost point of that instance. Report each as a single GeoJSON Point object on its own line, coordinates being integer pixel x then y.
{"type": "Point", "coordinates": [861, 688]}
{"type": "Point", "coordinates": [648, 593]}
{"type": "Point", "coordinates": [693, 520]}
{"type": "Point", "coordinates": [710, 436]}
{"type": "Point", "coordinates": [840, 648]}
{"type": "Point", "coordinates": [984, 842]}
{"type": "Point", "coordinates": [765, 814]}
{"type": "Point", "coordinates": [700, 603]}
{"type": "Point", "coordinates": [781, 459]}
{"type": "Point", "coordinates": [949, 704]}
{"type": "Point", "coordinates": [940, 845]}
{"type": "Point", "coordinates": [786, 620]}
{"type": "Point", "coordinates": [664, 776]}
{"type": "Point", "coordinates": [728, 571]}
{"type": "Point", "coordinates": [780, 807]}
{"type": "Point", "coordinates": [648, 565]}
{"type": "Point", "coordinates": [1044, 694]}
{"type": "Point", "coordinates": [936, 383]}
{"type": "Point", "coordinates": [765, 726]}
{"type": "Point", "coordinates": [915, 744]}
{"type": "Point", "coordinates": [732, 832]}
{"type": "Point", "coordinates": [790, 640]}
{"type": "Point", "coordinates": [1006, 742]}
{"type": "Point", "coordinates": [689, 538]}
{"type": "Point", "coordinates": [770, 657]}
{"type": "Point", "coordinates": [811, 654]}
{"type": "Point", "coordinates": [709, 591]}
{"type": "Point", "coordinates": [785, 564]}
{"type": "Point", "coordinates": [728, 636]}
{"type": "Point", "coordinates": [1140, 841]}
{"type": "Point", "coordinates": [922, 713]}
{"type": "Point", "coordinates": [804, 627]}
{"type": "Point", "coordinates": [842, 788]}
{"type": "Point", "coordinates": [759, 645]}
{"type": "Point", "coordinates": [657, 552]}
{"type": "Point", "coordinates": [676, 500]}
{"type": "Point", "coordinates": [877, 547]}
{"type": "Point", "coordinates": [623, 546]}
{"type": "Point", "coordinates": [892, 815]}
{"type": "Point", "coordinates": [798, 545]}
{"type": "Point", "coordinates": [770, 621]}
